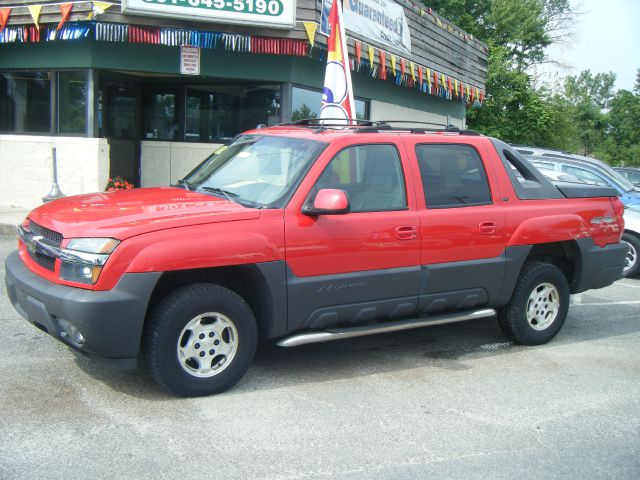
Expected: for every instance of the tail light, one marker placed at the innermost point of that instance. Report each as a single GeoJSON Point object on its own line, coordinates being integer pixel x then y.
{"type": "Point", "coordinates": [618, 210]}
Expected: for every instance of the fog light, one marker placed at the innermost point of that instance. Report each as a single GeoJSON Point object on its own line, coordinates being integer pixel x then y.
{"type": "Point", "coordinates": [70, 331]}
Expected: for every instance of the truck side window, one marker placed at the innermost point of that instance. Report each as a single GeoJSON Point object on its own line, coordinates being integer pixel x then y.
{"type": "Point", "coordinates": [452, 176]}
{"type": "Point", "coordinates": [371, 175]}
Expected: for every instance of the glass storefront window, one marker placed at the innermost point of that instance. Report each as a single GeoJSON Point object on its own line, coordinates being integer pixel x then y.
{"type": "Point", "coordinates": [218, 113]}
{"type": "Point", "coordinates": [160, 116]}
{"type": "Point", "coordinates": [72, 102]}
{"type": "Point", "coordinates": [25, 102]}
{"type": "Point", "coordinates": [210, 116]}
{"type": "Point", "coordinates": [306, 104]}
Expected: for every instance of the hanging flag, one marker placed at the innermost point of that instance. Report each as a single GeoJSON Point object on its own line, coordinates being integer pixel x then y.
{"type": "Point", "coordinates": [65, 9]}
{"type": "Point", "coordinates": [337, 95]}
{"type": "Point", "coordinates": [98, 8]}
{"type": "Point", "coordinates": [403, 66]}
{"type": "Point", "coordinates": [35, 10]}
{"type": "Point", "coordinates": [412, 66]}
{"type": "Point", "coordinates": [311, 28]}
{"type": "Point", "coordinates": [393, 63]}
{"type": "Point", "coordinates": [371, 55]}
{"type": "Point", "coordinates": [4, 17]}
{"type": "Point", "coordinates": [359, 51]}
{"type": "Point", "coordinates": [383, 65]}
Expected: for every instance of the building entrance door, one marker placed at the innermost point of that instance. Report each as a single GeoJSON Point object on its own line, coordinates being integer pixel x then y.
{"type": "Point", "coordinates": [121, 128]}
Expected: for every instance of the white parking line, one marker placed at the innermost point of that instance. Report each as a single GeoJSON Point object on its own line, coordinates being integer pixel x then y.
{"type": "Point", "coordinates": [630, 302]}
{"type": "Point", "coordinates": [627, 285]}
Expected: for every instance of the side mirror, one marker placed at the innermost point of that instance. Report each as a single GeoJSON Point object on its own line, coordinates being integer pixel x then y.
{"type": "Point", "coordinates": [328, 201]}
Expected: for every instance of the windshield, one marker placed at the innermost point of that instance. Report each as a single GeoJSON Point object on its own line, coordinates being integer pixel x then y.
{"type": "Point", "coordinates": [626, 185]}
{"type": "Point", "coordinates": [255, 170]}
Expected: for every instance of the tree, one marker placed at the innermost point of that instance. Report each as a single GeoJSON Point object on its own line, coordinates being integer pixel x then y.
{"type": "Point", "coordinates": [622, 143]}
{"type": "Point", "coordinates": [590, 95]}
{"type": "Point", "coordinates": [517, 33]}
{"type": "Point", "coordinates": [523, 28]}
{"type": "Point", "coordinates": [302, 112]}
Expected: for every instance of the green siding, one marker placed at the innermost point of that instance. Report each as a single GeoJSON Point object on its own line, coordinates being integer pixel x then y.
{"type": "Point", "coordinates": [221, 64]}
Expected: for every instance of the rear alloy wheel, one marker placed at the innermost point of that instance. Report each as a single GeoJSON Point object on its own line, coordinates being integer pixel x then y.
{"type": "Point", "coordinates": [538, 306]}
{"type": "Point", "coordinates": [200, 340]}
{"type": "Point", "coordinates": [631, 264]}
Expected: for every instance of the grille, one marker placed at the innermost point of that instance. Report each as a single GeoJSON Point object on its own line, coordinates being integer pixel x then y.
{"type": "Point", "coordinates": [54, 238]}
{"type": "Point", "coordinates": [45, 261]}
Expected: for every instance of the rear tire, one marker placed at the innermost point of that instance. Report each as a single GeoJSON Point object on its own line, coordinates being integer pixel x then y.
{"type": "Point", "coordinates": [538, 306]}
{"type": "Point", "coordinates": [200, 340]}
{"type": "Point", "coordinates": [631, 265]}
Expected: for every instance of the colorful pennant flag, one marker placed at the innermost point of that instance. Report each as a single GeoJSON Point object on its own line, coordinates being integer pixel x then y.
{"type": "Point", "coordinates": [311, 28]}
{"type": "Point", "coordinates": [337, 95]}
{"type": "Point", "coordinates": [383, 65]}
{"type": "Point", "coordinates": [65, 10]}
{"type": "Point", "coordinates": [35, 10]}
{"type": "Point", "coordinates": [4, 17]}
{"type": "Point", "coordinates": [392, 57]}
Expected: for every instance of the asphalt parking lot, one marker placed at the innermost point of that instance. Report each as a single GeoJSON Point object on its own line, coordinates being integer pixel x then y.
{"type": "Point", "coordinates": [454, 401]}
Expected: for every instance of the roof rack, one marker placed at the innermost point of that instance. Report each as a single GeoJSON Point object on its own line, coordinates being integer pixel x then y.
{"type": "Point", "coordinates": [374, 126]}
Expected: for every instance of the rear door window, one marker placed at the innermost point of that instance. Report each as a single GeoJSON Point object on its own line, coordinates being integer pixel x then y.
{"type": "Point", "coordinates": [452, 176]}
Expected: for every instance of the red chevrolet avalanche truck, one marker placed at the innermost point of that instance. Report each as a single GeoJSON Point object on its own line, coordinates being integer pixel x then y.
{"type": "Point", "coordinates": [304, 233]}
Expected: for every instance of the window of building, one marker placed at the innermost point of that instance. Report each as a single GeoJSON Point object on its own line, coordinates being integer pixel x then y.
{"type": "Point", "coordinates": [452, 176]}
{"type": "Point", "coordinates": [72, 101]}
{"type": "Point", "coordinates": [25, 102]}
{"type": "Point", "coordinates": [306, 103]}
{"type": "Point", "coordinates": [160, 115]}
{"type": "Point", "coordinates": [218, 113]}
{"type": "Point", "coordinates": [371, 175]}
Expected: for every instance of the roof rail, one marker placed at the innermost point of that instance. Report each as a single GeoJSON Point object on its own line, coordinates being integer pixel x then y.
{"type": "Point", "coordinates": [374, 126]}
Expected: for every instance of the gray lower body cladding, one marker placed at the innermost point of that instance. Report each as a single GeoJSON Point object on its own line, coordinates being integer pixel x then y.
{"type": "Point", "coordinates": [110, 321]}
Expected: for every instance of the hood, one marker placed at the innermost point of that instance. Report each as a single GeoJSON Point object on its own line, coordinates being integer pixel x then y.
{"type": "Point", "coordinates": [126, 213]}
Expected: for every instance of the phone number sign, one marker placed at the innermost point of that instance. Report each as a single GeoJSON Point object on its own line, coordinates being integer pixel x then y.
{"type": "Point", "coordinates": [268, 13]}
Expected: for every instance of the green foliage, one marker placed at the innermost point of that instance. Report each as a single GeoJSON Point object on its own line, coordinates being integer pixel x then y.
{"type": "Point", "coordinates": [302, 112]}
{"type": "Point", "coordinates": [589, 95]}
{"type": "Point", "coordinates": [588, 118]}
{"type": "Point", "coordinates": [621, 146]}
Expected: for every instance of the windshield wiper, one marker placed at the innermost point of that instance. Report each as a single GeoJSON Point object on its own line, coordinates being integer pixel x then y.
{"type": "Point", "coordinates": [225, 193]}
{"type": "Point", "coordinates": [233, 197]}
{"type": "Point", "coordinates": [187, 185]}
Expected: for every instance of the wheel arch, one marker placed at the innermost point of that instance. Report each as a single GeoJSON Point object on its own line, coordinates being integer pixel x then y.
{"type": "Point", "coordinates": [262, 286]}
{"type": "Point", "coordinates": [565, 255]}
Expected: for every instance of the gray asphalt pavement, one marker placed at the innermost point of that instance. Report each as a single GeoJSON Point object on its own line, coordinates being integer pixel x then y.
{"type": "Point", "coordinates": [455, 401]}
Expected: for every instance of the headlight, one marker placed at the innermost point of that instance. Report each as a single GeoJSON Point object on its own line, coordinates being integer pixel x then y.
{"type": "Point", "coordinates": [83, 259]}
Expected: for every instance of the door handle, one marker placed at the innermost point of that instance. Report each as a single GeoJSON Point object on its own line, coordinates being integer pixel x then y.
{"type": "Point", "coordinates": [487, 228]}
{"type": "Point", "coordinates": [406, 232]}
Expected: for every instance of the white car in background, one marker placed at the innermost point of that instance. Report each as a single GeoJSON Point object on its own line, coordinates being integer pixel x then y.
{"type": "Point", "coordinates": [631, 237]}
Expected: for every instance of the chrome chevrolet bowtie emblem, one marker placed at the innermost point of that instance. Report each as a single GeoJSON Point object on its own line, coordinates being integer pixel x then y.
{"type": "Point", "coordinates": [33, 242]}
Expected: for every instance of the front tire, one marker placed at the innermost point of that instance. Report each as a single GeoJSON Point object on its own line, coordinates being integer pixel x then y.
{"type": "Point", "coordinates": [200, 340]}
{"type": "Point", "coordinates": [631, 264]}
{"type": "Point", "coordinates": [538, 307]}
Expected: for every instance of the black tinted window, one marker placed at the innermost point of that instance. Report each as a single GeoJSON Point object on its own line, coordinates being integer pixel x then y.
{"type": "Point", "coordinates": [452, 176]}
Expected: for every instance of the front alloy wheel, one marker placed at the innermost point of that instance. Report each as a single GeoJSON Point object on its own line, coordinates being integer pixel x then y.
{"type": "Point", "coordinates": [200, 340]}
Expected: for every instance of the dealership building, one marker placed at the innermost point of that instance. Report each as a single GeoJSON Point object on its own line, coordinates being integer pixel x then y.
{"type": "Point", "coordinates": [146, 89]}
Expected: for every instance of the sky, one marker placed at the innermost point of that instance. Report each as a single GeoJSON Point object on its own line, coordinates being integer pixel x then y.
{"type": "Point", "coordinates": [606, 38]}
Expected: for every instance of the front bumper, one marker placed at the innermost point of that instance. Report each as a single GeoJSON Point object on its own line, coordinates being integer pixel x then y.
{"type": "Point", "coordinates": [110, 321]}
{"type": "Point", "coordinates": [598, 266]}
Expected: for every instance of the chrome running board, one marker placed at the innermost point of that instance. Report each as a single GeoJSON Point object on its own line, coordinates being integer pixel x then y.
{"type": "Point", "coordinates": [350, 332]}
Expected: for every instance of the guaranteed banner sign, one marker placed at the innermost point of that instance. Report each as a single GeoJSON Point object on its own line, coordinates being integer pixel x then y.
{"type": "Point", "coordinates": [268, 13]}
{"type": "Point", "coordinates": [381, 21]}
